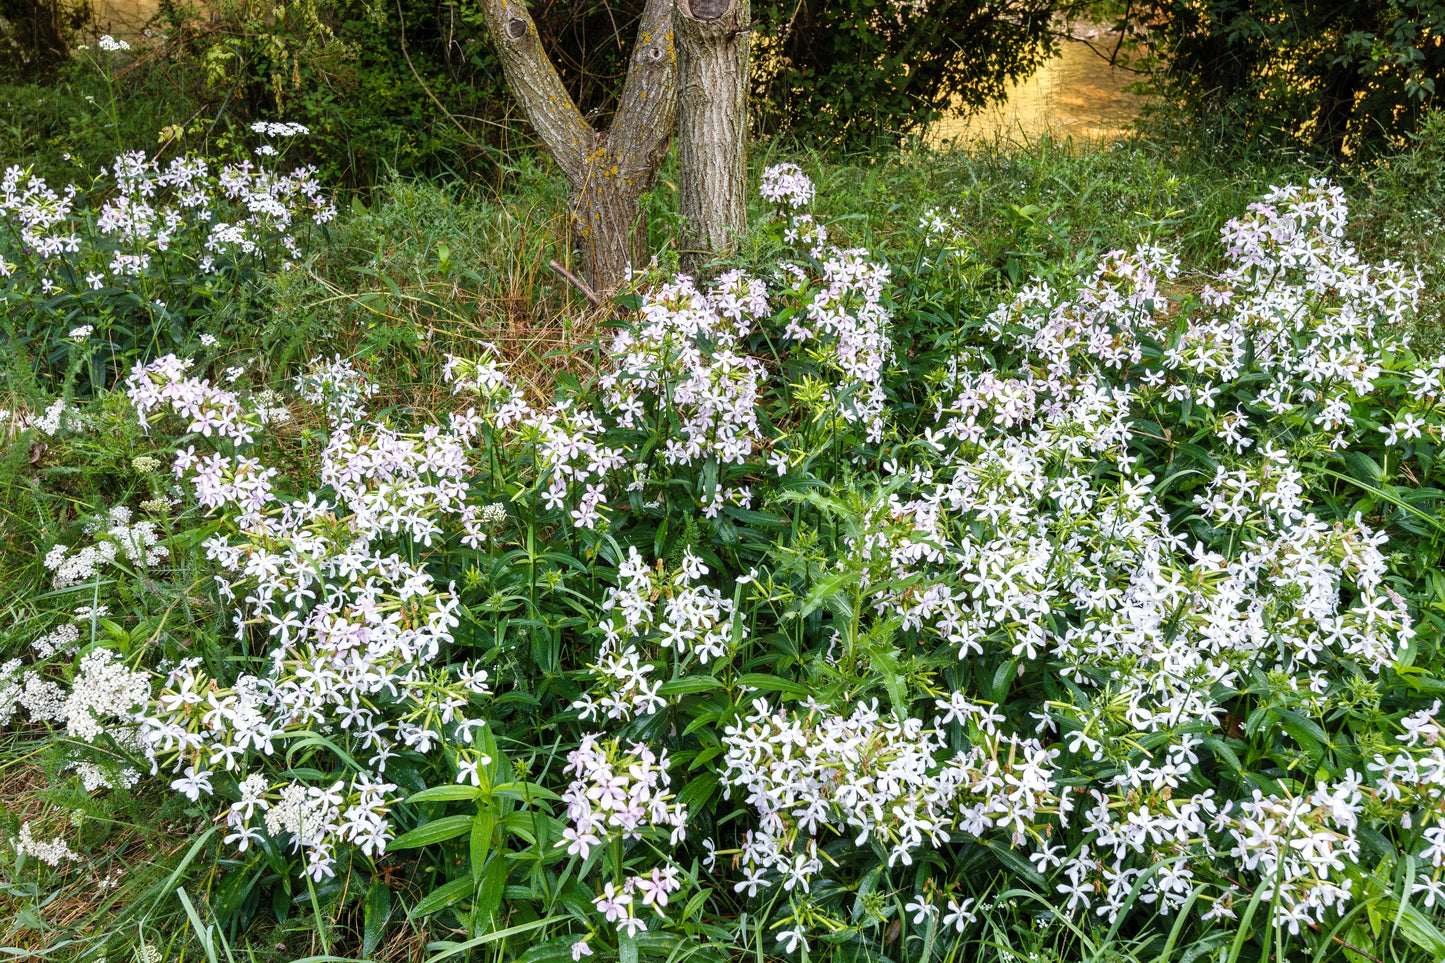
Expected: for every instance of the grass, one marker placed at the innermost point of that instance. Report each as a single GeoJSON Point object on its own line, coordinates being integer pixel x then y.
{"type": "Point", "coordinates": [418, 267]}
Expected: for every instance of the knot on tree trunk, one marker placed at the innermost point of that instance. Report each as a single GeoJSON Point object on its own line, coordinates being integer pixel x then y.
{"type": "Point", "coordinates": [705, 9]}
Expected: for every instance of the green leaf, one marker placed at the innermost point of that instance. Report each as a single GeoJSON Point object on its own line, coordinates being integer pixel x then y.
{"type": "Point", "coordinates": [435, 831]}
{"type": "Point", "coordinates": [1223, 752]}
{"type": "Point", "coordinates": [690, 684]}
{"type": "Point", "coordinates": [1002, 678]}
{"type": "Point", "coordinates": [447, 949]}
{"type": "Point", "coordinates": [524, 791]}
{"type": "Point", "coordinates": [824, 590]}
{"type": "Point", "coordinates": [556, 950]}
{"type": "Point", "coordinates": [1418, 929]}
{"type": "Point", "coordinates": [748, 516]}
{"type": "Point", "coordinates": [376, 912]}
{"type": "Point", "coordinates": [1016, 862]}
{"type": "Point", "coordinates": [884, 658]}
{"type": "Point", "coordinates": [771, 683]}
{"type": "Point", "coordinates": [1428, 519]}
{"type": "Point", "coordinates": [493, 884]}
{"type": "Point", "coordinates": [1198, 455]}
{"type": "Point", "coordinates": [1306, 732]}
{"type": "Point", "coordinates": [482, 825]}
{"type": "Point", "coordinates": [1363, 467]}
{"type": "Point", "coordinates": [445, 794]}
{"type": "Point", "coordinates": [698, 791]}
{"type": "Point", "coordinates": [442, 897]}
{"type": "Point", "coordinates": [702, 720]}
{"type": "Point", "coordinates": [703, 757]}
{"type": "Point", "coordinates": [866, 886]}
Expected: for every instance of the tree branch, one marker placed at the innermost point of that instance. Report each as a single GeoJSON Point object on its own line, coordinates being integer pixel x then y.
{"type": "Point", "coordinates": [533, 80]}
{"type": "Point", "coordinates": [577, 282]}
{"type": "Point", "coordinates": [642, 127]}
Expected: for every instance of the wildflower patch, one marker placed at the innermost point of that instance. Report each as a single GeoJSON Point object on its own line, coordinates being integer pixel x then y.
{"type": "Point", "coordinates": [1123, 606]}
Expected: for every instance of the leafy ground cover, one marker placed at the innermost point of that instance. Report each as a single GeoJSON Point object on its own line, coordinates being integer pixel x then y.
{"type": "Point", "coordinates": [1013, 554]}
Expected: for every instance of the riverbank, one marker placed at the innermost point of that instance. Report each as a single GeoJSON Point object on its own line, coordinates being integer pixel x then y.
{"type": "Point", "coordinates": [1081, 93]}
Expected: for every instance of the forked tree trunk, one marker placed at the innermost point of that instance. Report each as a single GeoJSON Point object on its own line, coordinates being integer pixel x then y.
{"type": "Point", "coordinates": [607, 171]}
{"type": "Point", "coordinates": [713, 43]}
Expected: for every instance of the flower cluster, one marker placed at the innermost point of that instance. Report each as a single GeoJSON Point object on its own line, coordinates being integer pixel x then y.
{"type": "Point", "coordinates": [618, 793]}
{"type": "Point", "coordinates": [684, 353]}
{"type": "Point", "coordinates": [622, 794]}
{"type": "Point", "coordinates": [117, 538]}
{"type": "Point", "coordinates": [338, 387]}
{"type": "Point", "coordinates": [1000, 536]}
{"type": "Point", "coordinates": [52, 853]}
{"type": "Point", "coordinates": [842, 318]}
{"type": "Point", "coordinates": [873, 777]}
{"type": "Point", "coordinates": [145, 245]}
{"type": "Point", "coordinates": [652, 610]}
{"type": "Point", "coordinates": [787, 186]}
{"type": "Point", "coordinates": [681, 363]}
{"type": "Point", "coordinates": [349, 628]}
{"type": "Point", "coordinates": [270, 128]}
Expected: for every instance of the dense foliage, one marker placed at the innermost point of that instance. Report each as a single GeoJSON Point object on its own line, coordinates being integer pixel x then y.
{"type": "Point", "coordinates": [857, 74]}
{"type": "Point", "coordinates": [1357, 77]}
{"type": "Point", "coordinates": [828, 615]}
{"type": "Point", "coordinates": [35, 35]}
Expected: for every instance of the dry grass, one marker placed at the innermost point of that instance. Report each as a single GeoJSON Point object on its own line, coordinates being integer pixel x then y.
{"type": "Point", "coordinates": [79, 902]}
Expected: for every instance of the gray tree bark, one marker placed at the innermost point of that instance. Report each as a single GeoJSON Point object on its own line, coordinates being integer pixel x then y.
{"type": "Point", "coordinates": [607, 171]}
{"type": "Point", "coordinates": [713, 43]}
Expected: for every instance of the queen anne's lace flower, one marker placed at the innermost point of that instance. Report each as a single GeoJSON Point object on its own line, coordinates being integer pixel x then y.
{"type": "Point", "coordinates": [52, 853]}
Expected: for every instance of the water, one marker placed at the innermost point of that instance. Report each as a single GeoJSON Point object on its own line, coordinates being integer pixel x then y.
{"type": "Point", "coordinates": [1076, 94]}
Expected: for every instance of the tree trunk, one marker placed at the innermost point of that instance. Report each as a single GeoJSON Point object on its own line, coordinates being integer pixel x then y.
{"type": "Point", "coordinates": [713, 43]}
{"type": "Point", "coordinates": [608, 172]}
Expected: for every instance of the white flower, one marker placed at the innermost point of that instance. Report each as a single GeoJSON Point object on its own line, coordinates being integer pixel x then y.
{"type": "Point", "coordinates": [793, 937]}
{"type": "Point", "coordinates": [921, 909]}
{"type": "Point", "coordinates": [467, 771]}
{"type": "Point", "coordinates": [193, 783]}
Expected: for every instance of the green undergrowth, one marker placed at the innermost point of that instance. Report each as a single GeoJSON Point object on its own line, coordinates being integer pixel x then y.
{"type": "Point", "coordinates": [416, 270]}
{"type": "Point", "coordinates": [416, 267]}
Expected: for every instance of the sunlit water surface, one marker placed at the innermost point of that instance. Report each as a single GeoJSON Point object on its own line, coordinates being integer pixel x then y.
{"type": "Point", "coordinates": [1076, 94]}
